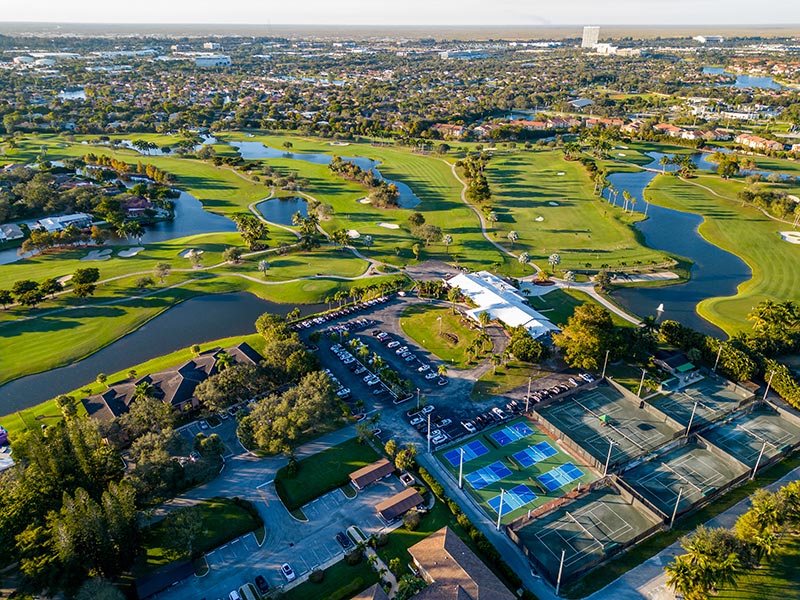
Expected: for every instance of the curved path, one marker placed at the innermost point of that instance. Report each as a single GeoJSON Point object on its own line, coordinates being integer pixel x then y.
{"type": "Point", "coordinates": [482, 221]}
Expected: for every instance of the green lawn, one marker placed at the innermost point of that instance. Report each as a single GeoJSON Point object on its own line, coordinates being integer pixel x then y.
{"type": "Point", "coordinates": [340, 576]}
{"type": "Point", "coordinates": [777, 579]}
{"type": "Point", "coordinates": [222, 520]}
{"type": "Point", "coordinates": [559, 213]}
{"type": "Point", "coordinates": [421, 323]}
{"type": "Point", "coordinates": [322, 472]}
{"type": "Point", "coordinates": [743, 231]}
{"type": "Point", "coordinates": [495, 382]}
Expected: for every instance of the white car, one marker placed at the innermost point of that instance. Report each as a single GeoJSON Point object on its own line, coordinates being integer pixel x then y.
{"type": "Point", "coordinates": [417, 421]}
{"type": "Point", "coordinates": [423, 368]}
{"type": "Point", "coordinates": [468, 426]}
{"type": "Point", "coordinates": [234, 595]}
{"type": "Point", "coordinates": [430, 375]}
{"type": "Point", "coordinates": [444, 423]}
{"type": "Point", "coordinates": [393, 344]}
{"type": "Point", "coordinates": [401, 349]}
{"type": "Point", "coordinates": [587, 378]}
{"type": "Point", "coordinates": [427, 409]}
{"type": "Point", "coordinates": [439, 439]}
{"type": "Point", "coordinates": [287, 572]}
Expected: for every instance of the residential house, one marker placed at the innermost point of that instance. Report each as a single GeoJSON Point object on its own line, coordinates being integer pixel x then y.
{"type": "Point", "coordinates": [448, 131]}
{"type": "Point", "coordinates": [53, 224]}
{"type": "Point", "coordinates": [374, 592]}
{"type": "Point", "coordinates": [668, 129]}
{"type": "Point", "coordinates": [605, 123]}
{"type": "Point", "coordinates": [755, 142]}
{"type": "Point", "coordinates": [453, 571]}
{"type": "Point", "coordinates": [135, 206]}
{"type": "Point", "coordinates": [10, 232]}
{"type": "Point", "coordinates": [174, 386]}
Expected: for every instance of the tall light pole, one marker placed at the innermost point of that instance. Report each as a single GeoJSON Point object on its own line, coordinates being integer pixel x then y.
{"type": "Point", "coordinates": [500, 509]}
{"type": "Point", "coordinates": [528, 397]}
{"type": "Point", "coordinates": [641, 384]}
{"type": "Point", "coordinates": [417, 399]}
{"type": "Point", "coordinates": [758, 462]}
{"type": "Point", "coordinates": [769, 383]}
{"type": "Point", "coordinates": [605, 364]}
{"type": "Point", "coordinates": [429, 433]}
{"type": "Point", "coordinates": [675, 510]}
{"type": "Point", "coordinates": [560, 570]}
{"type": "Point", "coordinates": [608, 458]}
{"type": "Point", "coordinates": [460, 467]}
{"type": "Point", "coordinates": [689, 427]}
{"type": "Point", "coordinates": [716, 362]}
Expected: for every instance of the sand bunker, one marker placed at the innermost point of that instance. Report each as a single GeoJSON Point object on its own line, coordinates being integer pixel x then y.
{"type": "Point", "coordinates": [353, 234]}
{"type": "Point", "coordinates": [793, 237]}
{"type": "Point", "coordinates": [553, 203]}
{"type": "Point", "coordinates": [64, 279]}
{"type": "Point", "coordinates": [98, 255]}
{"type": "Point", "coordinates": [561, 173]}
{"type": "Point", "coordinates": [540, 219]}
{"type": "Point", "coordinates": [338, 143]}
{"type": "Point", "coordinates": [189, 252]}
{"type": "Point", "coordinates": [621, 154]}
{"type": "Point", "coordinates": [389, 225]}
{"type": "Point", "coordinates": [130, 252]}
{"type": "Point", "coordinates": [365, 201]}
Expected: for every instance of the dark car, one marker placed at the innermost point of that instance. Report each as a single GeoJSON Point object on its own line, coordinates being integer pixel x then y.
{"type": "Point", "coordinates": [261, 584]}
{"type": "Point", "coordinates": [343, 540]}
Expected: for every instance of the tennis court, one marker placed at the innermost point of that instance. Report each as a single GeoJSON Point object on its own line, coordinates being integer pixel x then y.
{"type": "Point", "coordinates": [560, 476]}
{"type": "Point", "coordinates": [514, 467]}
{"type": "Point", "coordinates": [595, 418]}
{"type": "Point", "coordinates": [531, 455]}
{"type": "Point", "coordinates": [744, 436]}
{"type": "Point", "coordinates": [691, 468]}
{"type": "Point", "coordinates": [512, 433]}
{"type": "Point", "coordinates": [489, 474]}
{"type": "Point", "coordinates": [714, 401]}
{"type": "Point", "coordinates": [587, 530]}
{"type": "Point", "coordinates": [472, 450]}
{"type": "Point", "coordinates": [512, 499]}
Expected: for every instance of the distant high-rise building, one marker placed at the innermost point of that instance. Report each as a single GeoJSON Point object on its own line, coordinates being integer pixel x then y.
{"type": "Point", "coordinates": [590, 36]}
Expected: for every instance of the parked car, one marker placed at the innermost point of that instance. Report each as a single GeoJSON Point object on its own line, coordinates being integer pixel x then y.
{"type": "Point", "coordinates": [586, 377]}
{"type": "Point", "coordinates": [261, 584]}
{"type": "Point", "coordinates": [401, 349]}
{"type": "Point", "coordinates": [423, 368]}
{"type": "Point", "coordinates": [409, 357]}
{"type": "Point", "coordinates": [343, 393]}
{"type": "Point", "coordinates": [439, 439]}
{"type": "Point", "coordinates": [499, 412]}
{"type": "Point", "coordinates": [234, 595]}
{"type": "Point", "coordinates": [203, 424]}
{"type": "Point", "coordinates": [343, 540]}
{"type": "Point", "coordinates": [427, 409]}
{"type": "Point", "coordinates": [360, 369]}
{"type": "Point", "coordinates": [572, 382]}
{"type": "Point", "coordinates": [417, 421]}
{"type": "Point", "coordinates": [393, 344]}
{"type": "Point", "coordinates": [287, 572]}
{"type": "Point", "coordinates": [430, 375]}
{"type": "Point", "coordinates": [468, 426]}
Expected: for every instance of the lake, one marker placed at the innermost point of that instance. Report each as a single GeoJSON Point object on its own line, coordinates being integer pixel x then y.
{"type": "Point", "coordinates": [258, 151]}
{"type": "Point", "coordinates": [745, 81]}
{"type": "Point", "coordinates": [197, 320]}
{"type": "Point", "coordinates": [715, 272]}
{"type": "Point", "coordinates": [281, 210]}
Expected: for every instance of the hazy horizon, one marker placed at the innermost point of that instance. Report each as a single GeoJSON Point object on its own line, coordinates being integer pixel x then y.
{"type": "Point", "coordinates": [409, 13]}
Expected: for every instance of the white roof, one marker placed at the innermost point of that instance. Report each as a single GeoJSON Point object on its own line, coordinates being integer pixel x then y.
{"type": "Point", "coordinates": [502, 301]}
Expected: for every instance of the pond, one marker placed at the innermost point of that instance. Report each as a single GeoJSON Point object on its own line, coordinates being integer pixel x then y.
{"type": "Point", "coordinates": [281, 210]}
{"type": "Point", "coordinates": [715, 272]}
{"type": "Point", "coordinates": [197, 320]}
{"type": "Point", "coordinates": [190, 219]}
{"type": "Point", "coordinates": [258, 151]}
{"type": "Point", "coordinates": [745, 81]}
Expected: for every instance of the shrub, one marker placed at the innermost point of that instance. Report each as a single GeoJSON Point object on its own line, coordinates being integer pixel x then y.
{"type": "Point", "coordinates": [347, 591]}
{"type": "Point", "coordinates": [380, 540]}
{"type": "Point", "coordinates": [316, 576]}
{"type": "Point", "coordinates": [354, 557]}
{"type": "Point", "coordinates": [412, 520]}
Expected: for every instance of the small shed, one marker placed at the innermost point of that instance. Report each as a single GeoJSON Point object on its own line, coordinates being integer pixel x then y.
{"type": "Point", "coordinates": [371, 473]}
{"type": "Point", "coordinates": [393, 507]}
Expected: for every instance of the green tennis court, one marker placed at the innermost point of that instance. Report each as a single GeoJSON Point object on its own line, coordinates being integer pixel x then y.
{"type": "Point", "coordinates": [522, 462]}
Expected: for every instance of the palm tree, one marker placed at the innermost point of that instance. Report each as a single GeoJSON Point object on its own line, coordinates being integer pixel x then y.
{"type": "Point", "coordinates": [447, 240]}
{"type": "Point", "coordinates": [484, 319]}
{"type": "Point", "coordinates": [611, 190]}
{"type": "Point", "coordinates": [569, 277]}
{"type": "Point", "coordinates": [663, 161]}
{"type": "Point", "coordinates": [492, 217]}
{"type": "Point", "coordinates": [144, 390]}
{"type": "Point", "coordinates": [263, 267]}
{"type": "Point", "coordinates": [483, 340]}
{"type": "Point", "coordinates": [454, 295]}
{"type": "Point", "coordinates": [681, 576]}
{"type": "Point", "coordinates": [554, 260]}
{"type": "Point", "coordinates": [512, 237]}
{"type": "Point", "coordinates": [495, 360]}
{"type": "Point", "coordinates": [441, 370]}
{"type": "Point", "coordinates": [524, 259]}
{"type": "Point", "coordinates": [627, 196]}
{"type": "Point", "coordinates": [633, 203]}
{"type": "Point", "coordinates": [224, 360]}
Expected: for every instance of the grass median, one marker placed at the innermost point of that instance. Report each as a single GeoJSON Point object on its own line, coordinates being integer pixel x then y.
{"type": "Point", "coordinates": [441, 332]}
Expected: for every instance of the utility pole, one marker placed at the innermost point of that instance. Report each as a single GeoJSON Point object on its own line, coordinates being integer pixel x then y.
{"type": "Point", "coordinates": [716, 362]}
{"type": "Point", "coordinates": [417, 399]}
{"type": "Point", "coordinates": [605, 364]}
{"type": "Point", "coordinates": [429, 433]}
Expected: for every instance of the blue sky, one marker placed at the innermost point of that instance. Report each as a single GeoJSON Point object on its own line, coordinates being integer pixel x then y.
{"type": "Point", "coordinates": [409, 12]}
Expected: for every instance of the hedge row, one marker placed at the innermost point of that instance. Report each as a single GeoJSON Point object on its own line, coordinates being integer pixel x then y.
{"type": "Point", "coordinates": [481, 542]}
{"type": "Point", "coordinates": [347, 591]}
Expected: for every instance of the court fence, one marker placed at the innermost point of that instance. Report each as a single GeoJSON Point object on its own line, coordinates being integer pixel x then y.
{"type": "Point", "coordinates": [607, 554]}
{"type": "Point", "coordinates": [563, 439]}
{"type": "Point", "coordinates": [638, 500]}
{"type": "Point", "coordinates": [649, 409]}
